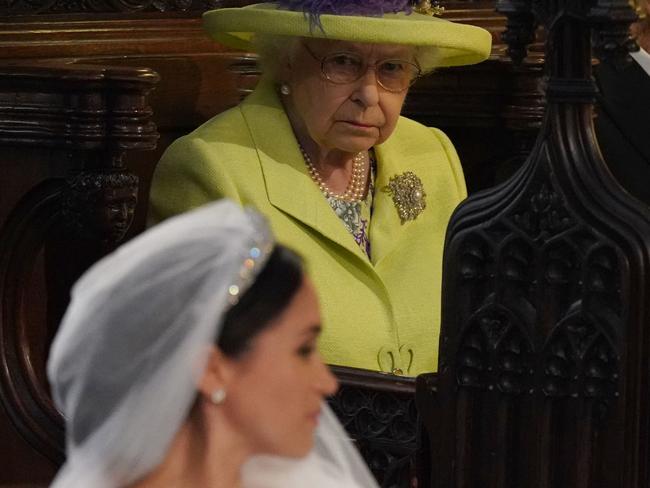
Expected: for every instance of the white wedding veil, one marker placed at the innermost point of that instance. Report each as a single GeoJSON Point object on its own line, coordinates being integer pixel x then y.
{"type": "Point", "coordinates": [133, 342]}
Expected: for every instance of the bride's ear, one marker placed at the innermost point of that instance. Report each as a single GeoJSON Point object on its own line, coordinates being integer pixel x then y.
{"type": "Point", "coordinates": [218, 373]}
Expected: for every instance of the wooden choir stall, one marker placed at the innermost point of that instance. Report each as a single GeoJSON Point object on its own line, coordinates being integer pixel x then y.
{"type": "Point", "coordinates": [543, 379]}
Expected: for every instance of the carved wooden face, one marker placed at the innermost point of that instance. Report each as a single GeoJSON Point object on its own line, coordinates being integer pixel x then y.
{"type": "Point", "coordinates": [276, 389]}
{"type": "Point", "coordinates": [116, 211]}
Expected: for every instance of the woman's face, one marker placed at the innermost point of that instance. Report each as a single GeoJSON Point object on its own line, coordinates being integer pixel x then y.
{"type": "Point", "coordinates": [278, 385]}
{"type": "Point", "coordinates": [349, 117]}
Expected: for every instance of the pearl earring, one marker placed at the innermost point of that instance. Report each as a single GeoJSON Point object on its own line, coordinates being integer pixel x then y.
{"type": "Point", "coordinates": [285, 89]}
{"type": "Point", "coordinates": [218, 396]}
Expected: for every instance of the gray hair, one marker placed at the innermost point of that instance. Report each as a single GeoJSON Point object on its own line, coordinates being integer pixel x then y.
{"type": "Point", "coordinates": [273, 51]}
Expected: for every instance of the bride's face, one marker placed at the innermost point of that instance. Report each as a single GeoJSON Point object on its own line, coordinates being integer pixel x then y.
{"type": "Point", "coordinates": [278, 386]}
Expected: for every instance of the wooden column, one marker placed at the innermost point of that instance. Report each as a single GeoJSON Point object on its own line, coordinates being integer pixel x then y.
{"type": "Point", "coordinates": [66, 198]}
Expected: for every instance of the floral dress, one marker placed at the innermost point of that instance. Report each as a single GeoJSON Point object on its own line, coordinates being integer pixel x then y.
{"type": "Point", "coordinates": [356, 215]}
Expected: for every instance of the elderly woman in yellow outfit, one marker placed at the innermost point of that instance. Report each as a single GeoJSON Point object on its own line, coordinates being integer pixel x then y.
{"type": "Point", "coordinates": [320, 148]}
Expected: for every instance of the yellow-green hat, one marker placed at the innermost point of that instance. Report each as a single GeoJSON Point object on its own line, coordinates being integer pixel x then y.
{"type": "Point", "coordinates": [440, 42]}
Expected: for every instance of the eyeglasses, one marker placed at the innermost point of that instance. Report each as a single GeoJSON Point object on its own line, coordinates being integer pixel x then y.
{"type": "Point", "coordinates": [394, 75]}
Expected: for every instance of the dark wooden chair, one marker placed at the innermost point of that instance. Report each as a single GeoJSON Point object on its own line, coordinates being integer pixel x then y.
{"type": "Point", "coordinates": [543, 377]}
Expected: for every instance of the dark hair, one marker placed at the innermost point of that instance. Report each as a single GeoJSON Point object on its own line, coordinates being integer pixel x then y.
{"type": "Point", "coordinates": [271, 293]}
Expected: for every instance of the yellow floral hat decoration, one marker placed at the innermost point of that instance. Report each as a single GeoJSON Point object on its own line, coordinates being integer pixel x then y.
{"type": "Point", "coordinates": [440, 42]}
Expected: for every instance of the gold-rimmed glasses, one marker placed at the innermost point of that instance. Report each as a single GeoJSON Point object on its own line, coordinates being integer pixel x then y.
{"type": "Point", "coordinates": [393, 75]}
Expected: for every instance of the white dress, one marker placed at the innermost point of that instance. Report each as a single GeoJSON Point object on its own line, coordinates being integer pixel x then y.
{"type": "Point", "coordinates": [311, 472]}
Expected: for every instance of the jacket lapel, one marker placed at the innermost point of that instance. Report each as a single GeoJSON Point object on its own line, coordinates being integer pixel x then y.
{"type": "Point", "coordinates": [385, 226]}
{"type": "Point", "coordinates": [412, 147]}
{"type": "Point", "coordinates": [288, 184]}
{"type": "Point", "coordinates": [409, 148]}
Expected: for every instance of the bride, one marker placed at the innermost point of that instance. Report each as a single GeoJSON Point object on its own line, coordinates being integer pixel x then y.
{"type": "Point", "coordinates": [188, 358]}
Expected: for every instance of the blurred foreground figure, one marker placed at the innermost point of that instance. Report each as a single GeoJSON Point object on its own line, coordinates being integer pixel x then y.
{"type": "Point", "coordinates": [188, 358]}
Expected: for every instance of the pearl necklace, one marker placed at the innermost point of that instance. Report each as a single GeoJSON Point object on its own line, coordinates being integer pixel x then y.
{"type": "Point", "coordinates": [356, 186]}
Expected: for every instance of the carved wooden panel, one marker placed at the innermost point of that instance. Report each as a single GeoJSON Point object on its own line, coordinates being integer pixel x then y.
{"type": "Point", "coordinates": [542, 380]}
{"type": "Point", "coordinates": [380, 414]}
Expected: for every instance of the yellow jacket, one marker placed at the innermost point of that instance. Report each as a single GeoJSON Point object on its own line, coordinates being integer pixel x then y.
{"type": "Point", "coordinates": [382, 315]}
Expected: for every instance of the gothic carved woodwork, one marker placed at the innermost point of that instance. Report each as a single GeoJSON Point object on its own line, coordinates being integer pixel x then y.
{"type": "Point", "coordinates": [379, 413]}
{"type": "Point", "coordinates": [543, 363]}
{"type": "Point", "coordinates": [71, 127]}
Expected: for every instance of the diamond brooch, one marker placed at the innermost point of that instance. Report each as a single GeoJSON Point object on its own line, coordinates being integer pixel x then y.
{"type": "Point", "coordinates": [408, 195]}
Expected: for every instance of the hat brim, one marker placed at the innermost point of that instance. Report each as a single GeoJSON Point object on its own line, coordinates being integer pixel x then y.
{"type": "Point", "coordinates": [440, 42]}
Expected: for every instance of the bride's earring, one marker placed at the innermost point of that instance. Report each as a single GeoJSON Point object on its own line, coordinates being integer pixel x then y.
{"type": "Point", "coordinates": [285, 89]}
{"type": "Point", "coordinates": [218, 396]}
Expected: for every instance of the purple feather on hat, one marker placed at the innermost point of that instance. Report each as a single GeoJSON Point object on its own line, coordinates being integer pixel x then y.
{"type": "Point", "coordinates": [370, 8]}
